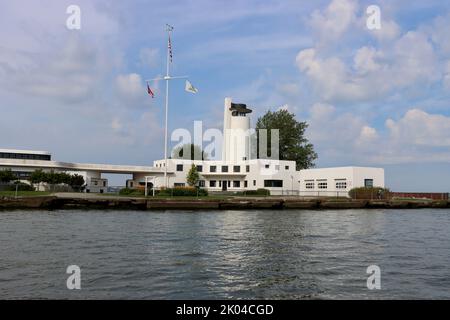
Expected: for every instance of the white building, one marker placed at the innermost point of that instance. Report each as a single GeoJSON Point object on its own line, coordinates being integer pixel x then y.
{"type": "Point", "coordinates": [235, 172]}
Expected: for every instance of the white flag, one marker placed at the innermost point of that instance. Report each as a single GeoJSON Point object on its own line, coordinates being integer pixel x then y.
{"type": "Point", "coordinates": [190, 88]}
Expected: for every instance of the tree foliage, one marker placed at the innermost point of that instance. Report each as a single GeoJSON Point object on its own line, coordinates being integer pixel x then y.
{"type": "Point", "coordinates": [76, 181]}
{"type": "Point", "coordinates": [7, 176]}
{"type": "Point", "coordinates": [196, 152]}
{"type": "Point", "coordinates": [293, 144]}
{"type": "Point", "coordinates": [192, 176]}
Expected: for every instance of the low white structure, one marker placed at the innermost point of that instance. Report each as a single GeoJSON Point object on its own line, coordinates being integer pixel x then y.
{"type": "Point", "coordinates": [235, 172]}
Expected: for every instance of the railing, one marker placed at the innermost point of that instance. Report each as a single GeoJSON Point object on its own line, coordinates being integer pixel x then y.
{"type": "Point", "coordinates": [309, 194]}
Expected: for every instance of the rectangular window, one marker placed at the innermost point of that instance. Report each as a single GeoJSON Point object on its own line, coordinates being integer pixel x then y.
{"type": "Point", "coordinates": [224, 168]}
{"type": "Point", "coordinates": [273, 183]}
{"type": "Point", "coordinates": [179, 167]}
{"type": "Point", "coordinates": [245, 184]}
{"type": "Point", "coordinates": [104, 183]}
{"type": "Point", "coordinates": [212, 169]}
{"type": "Point", "coordinates": [267, 166]}
{"type": "Point", "coordinates": [200, 168]}
{"type": "Point", "coordinates": [229, 183]}
{"type": "Point", "coordinates": [212, 183]}
{"type": "Point", "coordinates": [254, 182]}
{"type": "Point", "coordinates": [341, 184]}
{"type": "Point", "coordinates": [309, 185]}
{"type": "Point", "coordinates": [201, 183]}
{"type": "Point", "coordinates": [286, 167]}
{"type": "Point", "coordinates": [368, 183]}
{"type": "Point", "coordinates": [236, 184]}
{"type": "Point", "coordinates": [247, 168]}
{"type": "Point", "coordinates": [236, 168]}
{"type": "Point", "coordinates": [322, 185]}
{"type": "Point", "coordinates": [220, 183]}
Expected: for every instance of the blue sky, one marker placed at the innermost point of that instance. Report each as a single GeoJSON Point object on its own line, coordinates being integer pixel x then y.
{"type": "Point", "coordinates": [371, 97]}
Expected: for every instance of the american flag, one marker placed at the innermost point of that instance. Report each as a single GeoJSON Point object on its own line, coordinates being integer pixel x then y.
{"type": "Point", "coordinates": [170, 50]}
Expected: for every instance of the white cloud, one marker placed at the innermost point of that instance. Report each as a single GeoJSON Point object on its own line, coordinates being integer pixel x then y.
{"type": "Point", "coordinates": [334, 21]}
{"type": "Point", "coordinates": [409, 63]}
{"type": "Point", "coordinates": [148, 57]}
{"type": "Point", "coordinates": [130, 86]}
{"type": "Point", "coordinates": [419, 128]}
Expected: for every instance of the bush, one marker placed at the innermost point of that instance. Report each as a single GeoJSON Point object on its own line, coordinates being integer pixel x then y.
{"type": "Point", "coordinates": [369, 193]}
{"type": "Point", "coordinates": [131, 192]}
{"type": "Point", "coordinates": [257, 192]}
{"type": "Point", "coordinates": [20, 187]}
{"type": "Point", "coordinates": [183, 192]}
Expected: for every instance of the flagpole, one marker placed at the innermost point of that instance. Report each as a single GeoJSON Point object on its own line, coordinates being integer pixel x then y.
{"type": "Point", "coordinates": [168, 29]}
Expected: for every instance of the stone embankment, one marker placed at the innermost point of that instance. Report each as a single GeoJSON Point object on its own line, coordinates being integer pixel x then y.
{"type": "Point", "coordinates": [236, 203]}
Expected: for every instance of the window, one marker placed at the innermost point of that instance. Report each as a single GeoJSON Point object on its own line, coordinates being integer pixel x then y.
{"type": "Point", "coordinates": [224, 168]}
{"type": "Point", "coordinates": [199, 168]}
{"type": "Point", "coordinates": [368, 183]}
{"type": "Point", "coordinates": [267, 166]}
{"type": "Point", "coordinates": [220, 183]}
{"type": "Point", "coordinates": [286, 167]}
{"type": "Point", "coordinates": [236, 168]}
{"type": "Point", "coordinates": [341, 184]}
{"type": "Point", "coordinates": [309, 184]}
{"type": "Point", "coordinates": [179, 167]}
{"type": "Point", "coordinates": [201, 183]}
{"type": "Point", "coordinates": [178, 184]}
{"type": "Point", "coordinates": [104, 183]}
{"type": "Point", "coordinates": [212, 169]}
{"type": "Point", "coordinates": [236, 184]}
{"type": "Point", "coordinates": [229, 183]}
{"type": "Point", "coordinates": [322, 185]}
{"type": "Point", "coordinates": [131, 184]}
{"type": "Point", "coordinates": [212, 183]}
{"type": "Point", "coordinates": [245, 184]}
{"type": "Point", "coordinates": [273, 183]}
{"type": "Point", "coordinates": [254, 182]}
{"type": "Point", "coordinates": [247, 168]}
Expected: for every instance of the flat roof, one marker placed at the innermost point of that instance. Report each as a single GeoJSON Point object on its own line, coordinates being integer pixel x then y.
{"type": "Point", "coordinates": [25, 151]}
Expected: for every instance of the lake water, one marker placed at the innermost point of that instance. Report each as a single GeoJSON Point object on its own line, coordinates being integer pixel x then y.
{"type": "Point", "coordinates": [225, 254]}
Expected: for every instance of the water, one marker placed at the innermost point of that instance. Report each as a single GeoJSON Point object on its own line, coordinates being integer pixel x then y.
{"type": "Point", "coordinates": [225, 254]}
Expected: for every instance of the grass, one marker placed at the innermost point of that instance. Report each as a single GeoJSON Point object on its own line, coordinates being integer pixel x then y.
{"type": "Point", "coordinates": [24, 193]}
{"type": "Point", "coordinates": [150, 197]}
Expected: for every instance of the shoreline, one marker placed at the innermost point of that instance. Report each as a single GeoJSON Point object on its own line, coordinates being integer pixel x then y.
{"type": "Point", "coordinates": [53, 202]}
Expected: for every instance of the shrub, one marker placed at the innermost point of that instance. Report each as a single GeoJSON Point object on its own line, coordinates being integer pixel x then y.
{"type": "Point", "coordinates": [183, 192]}
{"type": "Point", "coordinates": [369, 193]}
{"type": "Point", "coordinates": [20, 187]}
{"type": "Point", "coordinates": [7, 176]}
{"type": "Point", "coordinates": [257, 192]}
{"type": "Point", "coordinates": [131, 192]}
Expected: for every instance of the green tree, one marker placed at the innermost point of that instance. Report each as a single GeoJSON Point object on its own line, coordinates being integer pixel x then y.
{"type": "Point", "coordinates": [76, 182]}
{"type": "Point", "coordinates": [7, 176]}
{"type": "Point", "coordinates": [38, 176]}
{"type": "Point", "coordinates": [292, 145]}
{"type": "Point", "coordinates": [192, 176]}
{"type": "Point", "coordinates": [196, 152]}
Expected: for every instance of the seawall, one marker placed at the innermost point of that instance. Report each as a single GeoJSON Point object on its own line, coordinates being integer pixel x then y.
{"type": "Point", "coordinates": [123, 203]}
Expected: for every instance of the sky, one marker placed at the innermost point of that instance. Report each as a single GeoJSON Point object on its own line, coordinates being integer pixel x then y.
{"type": "Point", "coordinates": [371, 97]}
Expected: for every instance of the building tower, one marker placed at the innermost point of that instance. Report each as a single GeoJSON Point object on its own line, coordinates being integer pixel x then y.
{"type": "Point", "coordinates": [236, 132]}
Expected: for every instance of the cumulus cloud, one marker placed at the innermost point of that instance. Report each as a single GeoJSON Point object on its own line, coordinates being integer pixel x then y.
{"type": "Point", "coordinates": [130, 86]}
{"type": "Point", "coordinates": [375, 73]}
{"type": "Point", "coordinates": [331, 23]}
{"type": "Point", "coordinates": [419, 128]}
